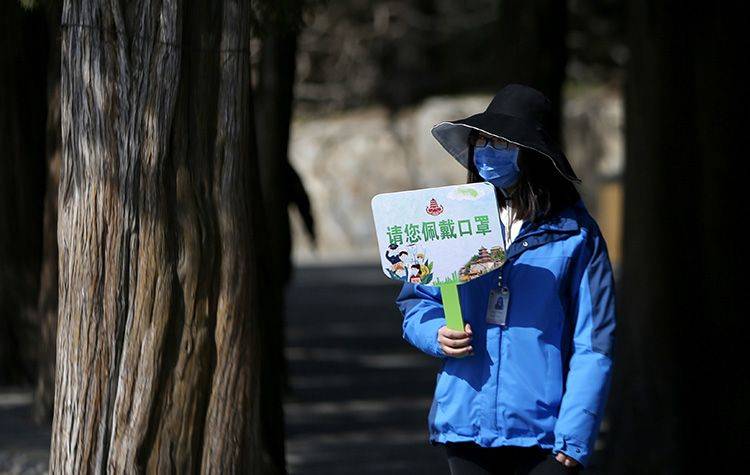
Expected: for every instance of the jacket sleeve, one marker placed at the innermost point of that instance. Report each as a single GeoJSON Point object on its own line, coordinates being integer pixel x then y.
{"type": "Point", "coordinates": [589, 370]}
{"type": "Point", "coordinates": [422, 308]}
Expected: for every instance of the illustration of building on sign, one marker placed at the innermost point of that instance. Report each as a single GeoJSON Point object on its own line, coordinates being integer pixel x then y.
{"type": "Point", "coordinates": [482, 262]}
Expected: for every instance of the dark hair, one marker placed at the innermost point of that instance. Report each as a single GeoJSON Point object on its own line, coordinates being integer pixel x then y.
{"type": "Point", "coordinates": [541, 191]}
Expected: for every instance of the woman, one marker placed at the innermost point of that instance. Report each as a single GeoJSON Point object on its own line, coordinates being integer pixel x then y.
{"type": "Point", "coordinates": [523, 388]}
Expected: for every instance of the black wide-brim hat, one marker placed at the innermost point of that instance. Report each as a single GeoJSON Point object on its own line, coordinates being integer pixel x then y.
{"type": "Point", "coordinates": [519, 114]}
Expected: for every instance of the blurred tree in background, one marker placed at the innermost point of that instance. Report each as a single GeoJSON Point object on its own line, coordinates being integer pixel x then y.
{"type": "Point", "coordinates": [679, 400]}
{"type": "Point", "coordinates": [398, 52]}
{"type": "Point", "coordinates": [23, 104]}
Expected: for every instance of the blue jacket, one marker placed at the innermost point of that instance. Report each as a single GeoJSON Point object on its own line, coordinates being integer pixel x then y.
{"type": "Point", "coordinates": [544, 378]}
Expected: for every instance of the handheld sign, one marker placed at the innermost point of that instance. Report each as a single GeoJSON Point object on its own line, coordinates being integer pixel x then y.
{"type": "Point", "coordinates": [443, 236]}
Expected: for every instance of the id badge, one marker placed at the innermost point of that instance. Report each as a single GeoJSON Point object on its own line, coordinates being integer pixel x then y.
{"type": "Point", "coordinates": [497, 306]}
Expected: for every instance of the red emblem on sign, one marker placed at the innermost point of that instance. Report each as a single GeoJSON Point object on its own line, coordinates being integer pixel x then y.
{"type": "Point", "coordinates": [434, 208]}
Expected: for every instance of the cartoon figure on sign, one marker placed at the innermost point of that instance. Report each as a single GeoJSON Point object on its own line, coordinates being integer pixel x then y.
{"type": "Point", "coordinates": [414, 274]}
{"type": "Point", "coordinates": [392, 258]}
{"type": "Point", "coordinates": [425, 267]}
{"type": "Point", "coordinates": [400, 262]}
{"type": "Point", "coordinates": [399, 268]}
{"type": "Point", "coordinates": [423, 270]}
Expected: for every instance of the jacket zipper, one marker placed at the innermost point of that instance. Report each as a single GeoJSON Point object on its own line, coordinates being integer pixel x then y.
{"type": "Point", "coordinates": [501, 338]}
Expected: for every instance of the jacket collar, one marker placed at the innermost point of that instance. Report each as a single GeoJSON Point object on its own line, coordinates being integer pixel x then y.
{"type": "Point", "coordinates": [557, 227]}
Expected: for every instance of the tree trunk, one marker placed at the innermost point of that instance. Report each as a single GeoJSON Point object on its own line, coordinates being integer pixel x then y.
{"type": "Point", "coordinates": [162, 363]}
{"type": "Point", "coordinates": [274, 94]}
{"type": "Point", "coordinates": [22, 117]}
{"type": "Point", "coordinates": [46, 309]}
{"type": "Point", "coordinates": [680, 386]}
{"type": "Point", "coordinates": [530, 49]}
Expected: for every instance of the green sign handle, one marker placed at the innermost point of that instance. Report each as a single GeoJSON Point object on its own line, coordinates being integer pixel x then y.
{"type": "Point", "coordinates": [452, 306]}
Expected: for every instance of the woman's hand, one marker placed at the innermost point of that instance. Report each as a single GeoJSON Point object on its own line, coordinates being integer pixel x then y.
{"type": "Point", "coordinates": [456, 343]}
{"type": "Point", "coordinates": [565, 460]}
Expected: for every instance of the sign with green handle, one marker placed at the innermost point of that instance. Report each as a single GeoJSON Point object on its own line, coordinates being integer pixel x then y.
{"type": "Point", "coordinates": [443, 236]}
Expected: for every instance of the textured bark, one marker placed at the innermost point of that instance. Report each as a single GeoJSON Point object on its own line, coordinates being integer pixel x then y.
{"type": "Point", "coordinates": [162, 363]}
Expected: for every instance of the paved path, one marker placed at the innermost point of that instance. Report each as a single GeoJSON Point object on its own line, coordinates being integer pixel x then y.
{"type": "Point", "coordinates": [361, 393]}
{"type": "Point", "coordinates": [24, 446]}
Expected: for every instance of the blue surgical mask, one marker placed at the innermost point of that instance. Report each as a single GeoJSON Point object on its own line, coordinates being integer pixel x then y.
{"type": "Point", "coordinates": [498, 166]}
